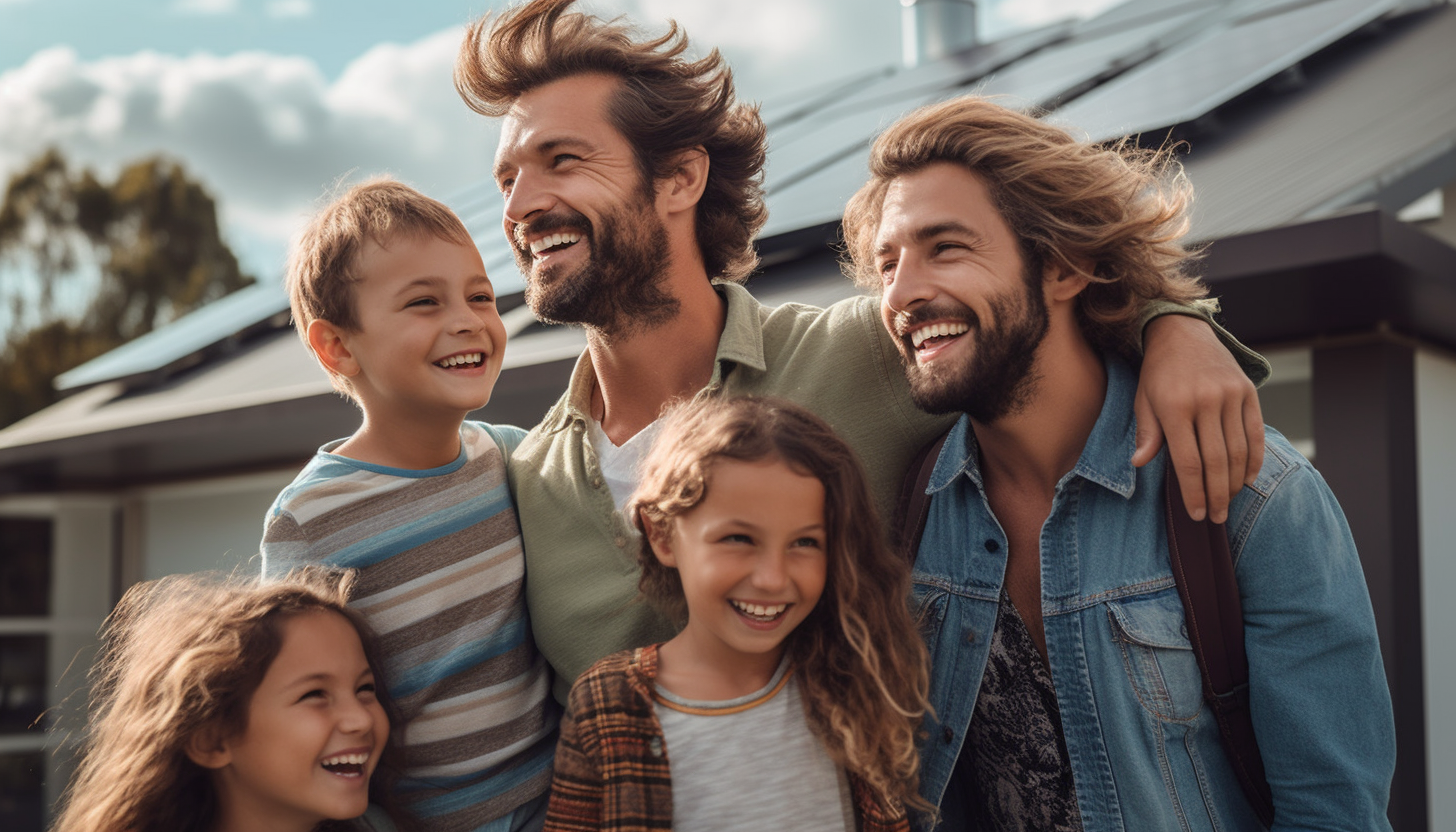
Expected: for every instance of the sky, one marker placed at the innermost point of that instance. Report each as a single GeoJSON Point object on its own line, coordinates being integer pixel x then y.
{"type": "Point", "coordinates": [270, 103]}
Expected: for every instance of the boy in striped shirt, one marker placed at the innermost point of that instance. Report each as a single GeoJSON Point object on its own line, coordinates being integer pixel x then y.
{"type": "Point", "coordinates": [389, 293]}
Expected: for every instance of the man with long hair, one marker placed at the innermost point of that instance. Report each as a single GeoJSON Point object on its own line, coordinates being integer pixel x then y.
{"type": "Point", "coordinates": [632, 181]}
{"type": "Point", "coordinates": [1010, 260]}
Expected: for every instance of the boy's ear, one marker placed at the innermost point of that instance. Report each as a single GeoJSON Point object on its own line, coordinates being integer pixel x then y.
{"type": "Point", "coordinates": [659, 537]}
{"type": "Point", "coordinates": [328, 343]}
{"type": "Point", "coordinates": [207, 748]}
{"type": "Point", "coordinates": [684, 188]}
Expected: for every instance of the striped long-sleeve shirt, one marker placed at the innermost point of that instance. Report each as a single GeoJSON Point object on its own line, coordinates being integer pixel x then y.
{"type": "Point", "coordinates": [442, 582]}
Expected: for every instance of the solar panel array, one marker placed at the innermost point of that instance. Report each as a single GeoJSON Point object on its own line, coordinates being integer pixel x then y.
{"type": "Point", "coordinates": [1143, 65]}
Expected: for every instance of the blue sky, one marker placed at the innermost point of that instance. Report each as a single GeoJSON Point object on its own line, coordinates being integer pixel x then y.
{"type": "Point", "coordinates": [269, 102]}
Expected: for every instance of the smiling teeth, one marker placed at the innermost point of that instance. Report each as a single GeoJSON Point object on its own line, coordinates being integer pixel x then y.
{"type": "Point", "coordinates": [920, 336]}
{"type": "Point", "coordinates": [552, 240]}
{"type": "Point", "coordinates": [457, 360]}
{"type": "Point", "coordinates": [768, 611]}
{"type": "Point", "coordinates": [347, 760]}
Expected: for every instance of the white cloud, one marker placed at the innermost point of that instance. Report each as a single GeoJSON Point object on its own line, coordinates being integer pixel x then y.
{"type": "Point", "coordinates": [206, 6]}
{"type": "Point", "coordinates": [268, 134]}
{"type": "Point", "coordinates": [290, 8]}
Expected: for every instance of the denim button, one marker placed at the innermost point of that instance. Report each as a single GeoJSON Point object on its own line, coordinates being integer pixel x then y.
{"type": "Point", "coordinates": [970, 636]}
{"type": "Point", "coordinates": [947, 735]}
{"type": "Point", "coordinates": [992, 545]}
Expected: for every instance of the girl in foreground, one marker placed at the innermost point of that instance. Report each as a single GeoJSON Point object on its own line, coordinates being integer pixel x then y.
{"type": "Point", "coordinates": [222, 706]}
{"type": "Point", "coordinates": [791, 697]}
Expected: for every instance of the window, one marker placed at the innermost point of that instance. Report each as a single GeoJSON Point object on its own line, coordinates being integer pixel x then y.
{"type": "Point", "coordinates": [25, 568]}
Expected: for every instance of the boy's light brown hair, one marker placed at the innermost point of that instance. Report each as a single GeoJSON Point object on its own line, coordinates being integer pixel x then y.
{"type": "Point", "coordinates": [324, 263]}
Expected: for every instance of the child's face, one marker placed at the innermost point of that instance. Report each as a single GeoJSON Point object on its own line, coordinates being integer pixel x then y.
{"type": "Point", "coordinates": [430, 340]}
{"type": "Point", "coordinates": [752, 559]}
{"type": "Point", "coordinates": [315, 732]}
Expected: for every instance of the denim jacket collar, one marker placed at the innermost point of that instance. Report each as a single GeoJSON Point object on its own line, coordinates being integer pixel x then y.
{"type": "Point", "coordinates": [1106, 458]}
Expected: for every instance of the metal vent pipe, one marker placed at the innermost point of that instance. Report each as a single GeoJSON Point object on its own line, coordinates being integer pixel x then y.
{"type": "Point", "coordinates": [933, 29]}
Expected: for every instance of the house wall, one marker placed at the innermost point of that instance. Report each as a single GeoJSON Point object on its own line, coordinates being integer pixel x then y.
{"type": "Point", "coordinates": [1436, 470]}
{"type": "Point", "coordinates": [210, 524]}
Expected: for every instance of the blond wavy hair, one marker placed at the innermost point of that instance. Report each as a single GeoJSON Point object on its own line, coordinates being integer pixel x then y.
{"type": "Point", "coordinates": [179, 656]}
{"type": "Point", "coordinates": [666, 104]}
{"type": "Point", "coordinates": [1116, 214]}
{"type": "Point", "coordinates": [861, 665]}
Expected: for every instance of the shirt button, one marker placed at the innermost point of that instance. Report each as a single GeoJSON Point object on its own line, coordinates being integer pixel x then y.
{"type": "Point", "coordinates": [655, 746]}
{"type": "Point", "coordinates": [947, 735]}
{"type": "Point", "coordinates": [620, 541]}
{"type": "Point", "coordinates": [596, 482]}
{"type": "Point", "coordinates": [992, 545]}
{"type": "Point", "coordinates": [578, 427]}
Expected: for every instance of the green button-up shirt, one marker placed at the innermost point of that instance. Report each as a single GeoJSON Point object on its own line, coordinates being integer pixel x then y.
{"type": "Point", "coordinates": [581, 554]}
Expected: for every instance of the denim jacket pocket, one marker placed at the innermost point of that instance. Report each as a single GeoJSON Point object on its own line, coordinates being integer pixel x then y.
{"type": "Point", "coordinates": [1153, 638]}
{"type": "Point", "coordinates": [928, 603]}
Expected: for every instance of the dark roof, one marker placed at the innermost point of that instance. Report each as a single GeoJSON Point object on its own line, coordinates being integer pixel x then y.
{"type": "Point", "coordinates": [1338, 104]}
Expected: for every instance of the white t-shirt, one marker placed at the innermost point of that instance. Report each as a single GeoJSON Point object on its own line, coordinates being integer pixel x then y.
{"type": "Point", "coordinates": [751, 763]}
{"type": "Point", "coordinates": [622, 466]}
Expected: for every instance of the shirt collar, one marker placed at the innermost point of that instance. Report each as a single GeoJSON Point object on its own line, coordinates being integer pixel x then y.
{"type": "Point", "coordinates": [742, 338]}
{"type": "Point", "coordinates": [740, 343]}
{"type": "Point", "coordinates": [1106, 458]}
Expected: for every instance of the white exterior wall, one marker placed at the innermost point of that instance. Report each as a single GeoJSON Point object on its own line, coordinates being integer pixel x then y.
{"type": "Point", "coordinates": [81, 581]}
{"type": "Point", "coordinates": [1436, 473]}
{"type": "Point", "coordinates": [211, 524]}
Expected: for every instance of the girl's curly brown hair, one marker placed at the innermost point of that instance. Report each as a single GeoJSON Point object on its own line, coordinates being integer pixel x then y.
{"type": "Point", "coordinates": [861, 666]}
{"type": "Point", "coordinates": [181, 655]}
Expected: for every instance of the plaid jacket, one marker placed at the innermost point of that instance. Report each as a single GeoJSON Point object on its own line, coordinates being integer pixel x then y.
{"type": "Point", "coordinates": [611, 765]}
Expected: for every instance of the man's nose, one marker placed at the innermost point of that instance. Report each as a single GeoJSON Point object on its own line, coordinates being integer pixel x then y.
{"type": "Point", "coordinates": [908, 288]}
{"type": "Point", "coordinates": [526, 199]}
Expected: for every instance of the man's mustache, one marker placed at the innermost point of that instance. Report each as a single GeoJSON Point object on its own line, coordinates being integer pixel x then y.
{"type": "Point", "coordinates": [547, 223]}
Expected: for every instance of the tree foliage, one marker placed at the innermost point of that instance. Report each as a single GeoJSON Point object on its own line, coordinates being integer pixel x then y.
{"type": "Point", "coordinates": [144, 249]}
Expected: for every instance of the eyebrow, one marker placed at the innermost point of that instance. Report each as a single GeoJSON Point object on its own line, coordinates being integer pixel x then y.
{"type": "Point", "coordinates": [542, 148]}
{"type": "Point", "coordinates": [928, 232]}
{"type": "Point", "coordinates": [430, 281]}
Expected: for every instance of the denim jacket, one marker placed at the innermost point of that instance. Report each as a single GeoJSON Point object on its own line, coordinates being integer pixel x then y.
{"type": "Point", "coordinates": [1145, 753]}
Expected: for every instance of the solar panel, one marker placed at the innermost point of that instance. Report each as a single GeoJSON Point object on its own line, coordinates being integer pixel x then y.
{"type": "Point", "coordinates": [1044, 78]}
{"type": "Point", "coordinates": [166, 345]}
{"type": "Point", "coordinates": [1194, 78]}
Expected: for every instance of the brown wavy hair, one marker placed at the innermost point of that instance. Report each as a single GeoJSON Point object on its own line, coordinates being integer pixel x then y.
{"type": "Point", "coordinates": [323, 263]}
{"type": "Point", "coordinates": [665, 105]}
{"type": "Point", "coordinates": [181, 655]}
{"type": "Point", "coordinates": [861, 665]}
{"type": "Point", "coordinates": [1116, 214]}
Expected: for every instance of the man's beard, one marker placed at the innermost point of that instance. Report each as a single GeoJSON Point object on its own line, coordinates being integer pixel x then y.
{"type": "Point", "coordinates": [996, 379]}
{"type": "Point", "coordinates": [619, 289]}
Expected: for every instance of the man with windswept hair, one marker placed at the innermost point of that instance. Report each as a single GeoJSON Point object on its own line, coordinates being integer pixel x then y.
{"type": "Point", "coordinates": [632, 185]}
{"type": "Point", "coordinates": [1010, 260]}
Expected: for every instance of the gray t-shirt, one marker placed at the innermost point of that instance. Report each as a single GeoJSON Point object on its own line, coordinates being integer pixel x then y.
{"type": "Point", "coordinates": [751, 763]}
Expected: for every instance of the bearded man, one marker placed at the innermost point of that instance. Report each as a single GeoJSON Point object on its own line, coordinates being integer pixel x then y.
{"type": "Point", "coordinates": [632, 185]}
{"type": "Point", "coordinates": [1065, 691]}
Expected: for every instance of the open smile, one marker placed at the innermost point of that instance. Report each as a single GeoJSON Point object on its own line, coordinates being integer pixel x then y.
{"type": "Point", "coordinates": [462, 361]}
{"type": "Point", "coordinates": [551, 243]}
{"type": "Point", "coordinates": [348, 764]}
{"type": "Point", "coordinates": [760, 613]}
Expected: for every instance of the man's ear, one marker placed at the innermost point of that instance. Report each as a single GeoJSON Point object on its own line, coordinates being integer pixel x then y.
{"type": "Point", "coordinates": [1063, 282]}
{"type": "Point", "coordinates": [659, 537]}
{"type": "Point", "coordinates": [329, 344]}
{"type": "Point", "coordinates": [684, 188]}
{"type": "Point", "coordinates": [207, 748]}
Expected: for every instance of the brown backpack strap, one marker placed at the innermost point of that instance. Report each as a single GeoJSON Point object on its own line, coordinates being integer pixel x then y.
{"type": "Point", "coordinates": [914, 504]}
{"type": "Point", "coordinates": [1203, 567]}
